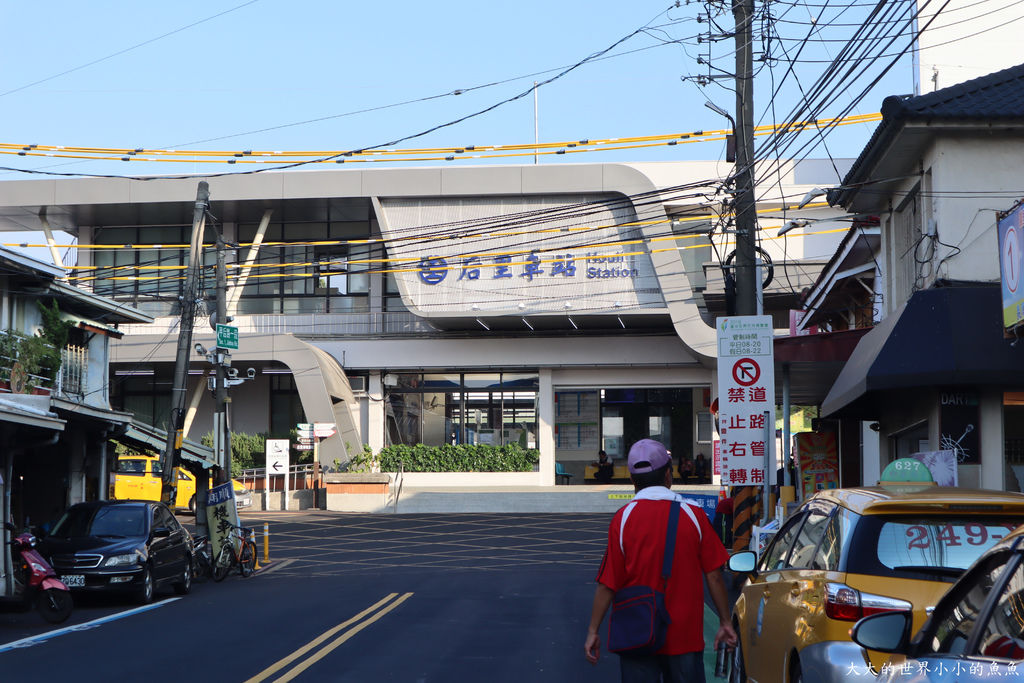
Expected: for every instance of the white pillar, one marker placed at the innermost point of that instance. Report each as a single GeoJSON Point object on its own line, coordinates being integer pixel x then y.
{"type": "Point", "coordinates": [993, 456]}
{"type": "Point", "coordinates": [546, 427]}
{"type": "Point", "coordinates": [871, 455]}
{"type": "Point", "coordinates": [375, 413]}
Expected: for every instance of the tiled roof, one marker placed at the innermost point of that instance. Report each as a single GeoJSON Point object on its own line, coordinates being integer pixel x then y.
{"type": "Point", "coordinates": [998, 96]}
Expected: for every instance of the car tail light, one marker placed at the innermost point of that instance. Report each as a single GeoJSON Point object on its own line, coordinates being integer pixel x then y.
{"type": "Point", "coordinates": [849, 604]}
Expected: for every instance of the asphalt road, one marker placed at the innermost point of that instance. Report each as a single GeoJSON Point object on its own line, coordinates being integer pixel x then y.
{"type": "Point", "coordinates": [409, 598]}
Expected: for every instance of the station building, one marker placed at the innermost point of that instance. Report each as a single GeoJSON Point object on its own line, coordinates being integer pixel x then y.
{"type": "Point", "coordinates": [568, 308]}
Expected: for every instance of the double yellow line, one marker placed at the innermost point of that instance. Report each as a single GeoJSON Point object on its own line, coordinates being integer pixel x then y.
{"type": "Point", "coordinates": [357, 624]}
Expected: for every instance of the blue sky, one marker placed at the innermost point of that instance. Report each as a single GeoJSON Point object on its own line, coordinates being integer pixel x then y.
{"type": "Point", "coordinates": [269, 63]}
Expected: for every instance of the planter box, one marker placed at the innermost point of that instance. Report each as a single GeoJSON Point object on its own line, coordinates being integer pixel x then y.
{"type": "Point", "coordinates": [357, 482]}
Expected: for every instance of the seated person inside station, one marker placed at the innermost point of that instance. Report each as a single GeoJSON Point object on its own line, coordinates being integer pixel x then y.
{"type": "Point", "coordinates": [605, 469]}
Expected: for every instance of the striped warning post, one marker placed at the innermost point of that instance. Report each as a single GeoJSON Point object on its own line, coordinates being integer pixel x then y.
{"type": "Point", "coordinates": [743, 500]}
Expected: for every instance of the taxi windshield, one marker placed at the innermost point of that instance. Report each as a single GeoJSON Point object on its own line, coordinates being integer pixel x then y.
{"type": "Point", "coordinates": [929, 547]}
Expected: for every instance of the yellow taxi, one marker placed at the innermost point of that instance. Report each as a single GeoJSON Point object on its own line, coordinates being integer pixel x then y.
{"type": "Point", "coordinates": [851, 553]}
{"type": "Point", "coordinates": [138, 477]}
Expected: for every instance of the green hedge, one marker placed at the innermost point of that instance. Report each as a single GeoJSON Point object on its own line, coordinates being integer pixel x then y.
{"type": "Point", "coordinates": [449, 458]}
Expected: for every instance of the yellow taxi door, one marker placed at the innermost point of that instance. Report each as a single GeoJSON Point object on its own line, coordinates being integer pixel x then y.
{"type": "Point", "coordinates": [186, 488]}
{"type": "Point", "coordinates": [797, 602]}
{"type": "Point", "coordinates": [152, 483]}
{"type": "Point", "coordinates": [765, 632]}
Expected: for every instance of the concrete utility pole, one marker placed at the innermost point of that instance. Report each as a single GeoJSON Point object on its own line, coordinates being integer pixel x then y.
{"type": "Point", "coordinates": [220, 421]}
{"type": "Point", "coordinates": [171, 456]}
{"type": "Point", "coordinates": [747, 274]}
{"type": "Point", "coordinates": [747, 277]}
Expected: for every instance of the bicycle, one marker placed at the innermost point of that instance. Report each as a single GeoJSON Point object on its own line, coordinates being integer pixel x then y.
{"type": "Point", "coordinates": [244, 557]}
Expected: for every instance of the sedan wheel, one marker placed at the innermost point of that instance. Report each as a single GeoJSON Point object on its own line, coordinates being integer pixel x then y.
{"type": "Point", "coordinates": [145, 594]}
{"type": "Point", "coordinates": [184, 585]}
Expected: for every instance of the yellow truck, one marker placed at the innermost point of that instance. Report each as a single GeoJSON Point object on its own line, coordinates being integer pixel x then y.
{"type": "Point", "coordinates": [138, 477]}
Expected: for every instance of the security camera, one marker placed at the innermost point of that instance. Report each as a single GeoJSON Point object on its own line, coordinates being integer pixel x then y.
{"type": "Point", "coordinates": [232, 373]}
{"type": "Point", "coordinates": [251, 372]}
{"type": "Point", "coordinates": [875, 426]}
{"type": "Point", "coordinates": [200, 349]}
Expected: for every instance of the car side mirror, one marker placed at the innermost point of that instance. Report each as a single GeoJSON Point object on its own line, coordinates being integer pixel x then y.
{"type": "Point", "coordinates": [886, 632]}
{"type": "Point", "coordinates": [161, 532]}
{"type": "Point", "coordinates": [743, 562]}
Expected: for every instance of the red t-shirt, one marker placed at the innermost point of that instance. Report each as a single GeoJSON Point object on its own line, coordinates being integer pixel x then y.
{"type": "Point", "coordinates": [644, 546]}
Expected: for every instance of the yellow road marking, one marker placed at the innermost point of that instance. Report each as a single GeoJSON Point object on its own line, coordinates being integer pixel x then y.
{"type": "Point", "coordinates": [341, 639]}
{"type": "Point", "coordinates": [280, 664]}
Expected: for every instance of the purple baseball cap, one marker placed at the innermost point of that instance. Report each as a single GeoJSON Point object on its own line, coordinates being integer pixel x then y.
{"type": "Point", "coordinates": [647, 455]}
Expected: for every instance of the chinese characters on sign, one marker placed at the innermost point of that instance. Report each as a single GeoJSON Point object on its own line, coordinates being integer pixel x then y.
{"type": "Point", "coordinates": [940, 669]}
{"type": "Point", "coordinates": [746, 390]}
{"type": "Point", "coordinates": [434, 269]}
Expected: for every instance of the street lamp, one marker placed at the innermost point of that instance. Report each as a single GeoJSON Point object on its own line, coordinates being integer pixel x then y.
{"type": "Point", "coordinates": [790, 225]}
{"type": "Point", "coordinates": [730, 140]}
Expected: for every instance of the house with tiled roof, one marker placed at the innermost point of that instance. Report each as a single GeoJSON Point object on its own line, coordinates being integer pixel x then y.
{"type": "Point", "coordinates": [938, 371]}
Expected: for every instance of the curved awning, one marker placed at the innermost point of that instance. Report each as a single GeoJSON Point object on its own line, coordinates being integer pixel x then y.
{"type": "Point", "coordinates": [941, 337]}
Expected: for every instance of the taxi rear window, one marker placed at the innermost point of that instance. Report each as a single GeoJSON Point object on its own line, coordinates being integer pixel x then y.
{"type": "Point", "coordinates": [924, 547]}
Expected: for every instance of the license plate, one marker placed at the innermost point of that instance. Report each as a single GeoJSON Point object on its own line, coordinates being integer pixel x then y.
{"type": "Point", "coordinates": [73, 580]}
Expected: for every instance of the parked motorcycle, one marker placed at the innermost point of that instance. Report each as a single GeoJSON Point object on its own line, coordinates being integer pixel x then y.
{"type": "Point", "coordinates": [36, 582]}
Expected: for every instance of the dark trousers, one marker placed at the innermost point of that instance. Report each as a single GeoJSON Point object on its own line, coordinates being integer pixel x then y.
{"type": "Point", "coordinates": [686, 668]}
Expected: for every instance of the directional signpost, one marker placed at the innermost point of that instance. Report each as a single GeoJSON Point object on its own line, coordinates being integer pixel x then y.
{"type": "Point", "coordinates": [277, 463]}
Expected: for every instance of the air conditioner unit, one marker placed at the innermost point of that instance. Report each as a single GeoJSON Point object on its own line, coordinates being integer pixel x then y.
{"type": "Point", "coordinates": [358, 383]}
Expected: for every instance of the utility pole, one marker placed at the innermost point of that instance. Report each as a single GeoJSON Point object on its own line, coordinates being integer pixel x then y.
{"type": "Point", "coordinates": [747, 277]}
{"type": "Point", "coordinates": [223, 358]}
{"type": "Point", "coordinates": [171, 456]}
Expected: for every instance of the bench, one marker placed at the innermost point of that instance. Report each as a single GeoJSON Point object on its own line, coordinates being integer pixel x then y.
{"type": "Point", "coordinates": [561, 476]}
{"type": "Point", "coordinates": [621, 472]}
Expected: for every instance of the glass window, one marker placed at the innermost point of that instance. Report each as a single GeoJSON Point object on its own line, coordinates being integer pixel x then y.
{"type": "Point", "coordinates": [1003, 635]}
{"type": "Point", "coordinates": [807, 540]}
{"type": "Point", "coordinates": [955, 616]}
{"type": "Point", "coordinates": [830, 548]}
{"type": "Point", "coordinates": [936, 542]}
{"type": "Point", "coordinates": [775, 557]}
{"type": "Point", "coordinates": [705, 427]}
{"type": "Point", "coordinates": [133, 467]}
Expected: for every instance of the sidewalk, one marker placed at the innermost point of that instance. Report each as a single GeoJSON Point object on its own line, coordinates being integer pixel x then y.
{"type": "Point", "coordinates": [582, 498]}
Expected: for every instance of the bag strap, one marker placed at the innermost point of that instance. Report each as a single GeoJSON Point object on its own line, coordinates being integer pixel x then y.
{"type": "Point", "coordinates": [670, 540]}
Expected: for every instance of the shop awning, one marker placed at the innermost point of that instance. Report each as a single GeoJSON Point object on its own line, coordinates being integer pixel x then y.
{"type": "Point", "coordinates": [155, 439]}
{"type": "Point", "coordinates": [941, 337]}
{"type": "Point", "coordinates": [814, 362]}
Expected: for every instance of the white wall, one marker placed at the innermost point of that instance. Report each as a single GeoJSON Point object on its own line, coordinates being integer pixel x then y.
{"type": "Point", "coordinates": [979, 167]}
{"type": "Point", "coordinates": [966, 41]}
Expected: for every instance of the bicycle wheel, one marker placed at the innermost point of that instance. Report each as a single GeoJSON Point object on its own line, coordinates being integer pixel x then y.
{"type": "Point", "coordinates": [247, 560]}
{"type": "Point", "coordinates": [223, 564]}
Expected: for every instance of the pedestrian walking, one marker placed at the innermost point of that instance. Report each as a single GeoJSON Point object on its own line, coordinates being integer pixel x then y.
{"type": "Point", "coordinates": [635, 557]}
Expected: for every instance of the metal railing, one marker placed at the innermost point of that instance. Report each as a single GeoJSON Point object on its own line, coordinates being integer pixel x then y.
{"type": "Point", "coordinates": [299, 477]}
{"type": "Point", "coordinates": [309, 324]}
{"type": "Point", "coordinates": [74, 371]}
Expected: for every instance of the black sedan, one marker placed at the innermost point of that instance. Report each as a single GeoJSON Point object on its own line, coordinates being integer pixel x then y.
{"type": "Point", "coordinates": [127, 546]}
